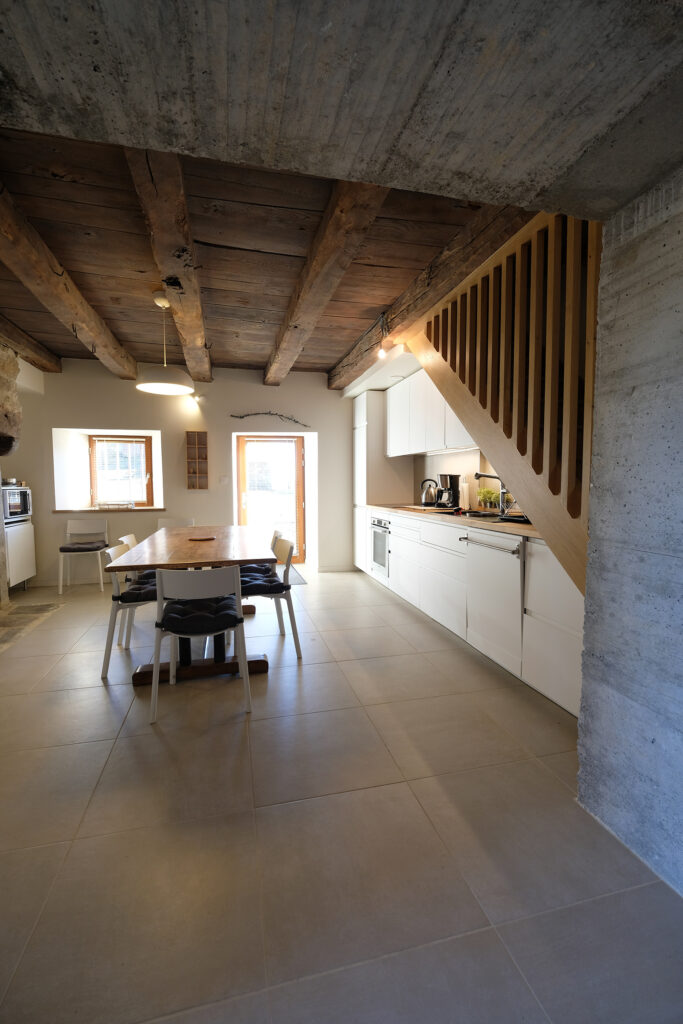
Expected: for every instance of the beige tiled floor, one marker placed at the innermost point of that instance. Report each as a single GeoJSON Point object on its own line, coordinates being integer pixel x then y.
{"type": "Point", "coordinates": [391, 836]}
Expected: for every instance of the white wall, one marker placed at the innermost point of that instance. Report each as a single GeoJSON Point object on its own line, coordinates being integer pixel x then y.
{"type": "Point", "coordinates": [86, 393]}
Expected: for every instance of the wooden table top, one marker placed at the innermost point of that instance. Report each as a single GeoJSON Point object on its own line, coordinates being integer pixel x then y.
{"type": "Point", "coordinates": [182, 547]}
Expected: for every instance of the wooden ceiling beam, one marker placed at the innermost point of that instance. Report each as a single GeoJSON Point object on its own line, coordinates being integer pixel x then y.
{"type": "Point", "coordinates": [350, 212]}
{"type": "Point", "coordinates": [24, 252]}
{"type": "Point", "coordinates": [485, 233]}
{"type": "Point", "coordinates": [28, 348]}
{"type": "Point", "coordinates": [158, 180]}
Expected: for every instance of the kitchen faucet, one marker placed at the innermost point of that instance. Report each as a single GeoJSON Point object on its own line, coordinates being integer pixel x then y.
{"type": "Point", "coordinates": [503, 489]}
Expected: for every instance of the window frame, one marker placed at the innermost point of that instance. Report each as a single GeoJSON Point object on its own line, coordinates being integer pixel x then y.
{"type": "Point", "coordinates": [118, 438]}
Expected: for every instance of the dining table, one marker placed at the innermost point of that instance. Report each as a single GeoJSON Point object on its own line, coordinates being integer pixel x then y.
{"type": "Point", "coordinates": [198, 547]}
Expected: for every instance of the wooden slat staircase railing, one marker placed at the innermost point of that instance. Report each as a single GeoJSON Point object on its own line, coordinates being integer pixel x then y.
{"type": "Point", "coordinates": [512, 349]}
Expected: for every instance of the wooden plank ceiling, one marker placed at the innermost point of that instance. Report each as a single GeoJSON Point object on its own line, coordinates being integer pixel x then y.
{"type": "Point", "coordinates": [252, 232]}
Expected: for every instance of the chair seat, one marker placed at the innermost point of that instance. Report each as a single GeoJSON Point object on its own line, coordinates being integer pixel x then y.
{"type": "Point", "coordinates": [84, 545]}
{"type": "Point", "coordinates": [262, 569]}
{"type": "Point", "coordinates": [200, 618]}
{"type": "Point", "coordinates": [146, 576]}
{"type": "Point", "coordinates": [138, 594]}
{"type": "Point", "coordinates": [255, 585]}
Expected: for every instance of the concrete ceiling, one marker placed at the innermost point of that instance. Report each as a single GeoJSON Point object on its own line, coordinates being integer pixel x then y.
{"type": "Point", "coordinates": [567, 106]}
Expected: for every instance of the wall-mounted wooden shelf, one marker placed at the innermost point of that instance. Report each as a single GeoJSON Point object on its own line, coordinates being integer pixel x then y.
{"type": "Point", "coordinates": [197, 460]}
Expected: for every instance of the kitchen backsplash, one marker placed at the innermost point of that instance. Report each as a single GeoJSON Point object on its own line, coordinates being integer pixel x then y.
{"type": "Point", "coordinates": [465, 464]}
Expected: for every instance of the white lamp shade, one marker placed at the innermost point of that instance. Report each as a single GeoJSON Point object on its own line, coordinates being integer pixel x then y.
{"type": "Point", "coordinates": [164, 380]}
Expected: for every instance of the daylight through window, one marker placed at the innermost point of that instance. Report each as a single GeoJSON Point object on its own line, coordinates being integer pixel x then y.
{"type": "Point", "coordinates": [121, 470]}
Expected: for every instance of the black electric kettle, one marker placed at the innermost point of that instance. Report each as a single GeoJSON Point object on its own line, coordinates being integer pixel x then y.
{"type": "Point", "coordinates": [428, 493]}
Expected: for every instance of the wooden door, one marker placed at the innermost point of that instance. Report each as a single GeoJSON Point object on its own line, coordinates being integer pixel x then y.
{"type": "Point", "coordinates": [270, 486]}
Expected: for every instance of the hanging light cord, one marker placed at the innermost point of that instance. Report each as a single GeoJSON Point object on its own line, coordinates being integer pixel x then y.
{"type": "Point", "coordinates": [164, 322]}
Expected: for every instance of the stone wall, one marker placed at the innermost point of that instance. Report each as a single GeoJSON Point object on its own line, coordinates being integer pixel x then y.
{"type": "Point", "coordinates": [631, 745]}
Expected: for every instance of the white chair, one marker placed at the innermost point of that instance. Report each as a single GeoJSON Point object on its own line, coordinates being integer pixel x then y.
{"type": "Point", "coordinates": [198, 604]}
{"type": "Point", "coordinates": [125, 602]}
{"type": "Point", "coordinates": [129, 539]}
{"type": "Point", "coordinates": [174, 521]}
{"type": "Point", "coordinates": [257, 584]}
{"type": "Point", "coordinates": [93, 541]}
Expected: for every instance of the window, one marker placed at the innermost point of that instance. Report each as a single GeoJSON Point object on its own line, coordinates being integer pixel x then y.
{"type": "Point", "coordinates": [121, 470]}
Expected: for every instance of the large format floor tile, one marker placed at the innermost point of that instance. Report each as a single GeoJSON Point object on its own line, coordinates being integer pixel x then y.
{"type": "Point", "coordinates": [194, 706]}
{"type": "Point", "coordinates": [280, 650]}
{"type": "Point", "coordinates": [62, 716]}
{"type": "Point", "coordinates": [352, 877]}
{"type": "Point", "coordinates": [398, 677]}
{"type": "Point", "coordinates": [469, 979]}
{"type": "Point", "coordinates": [307, 755]}
{"type": "Point", "coordinates": [157, 777]}
{"type": "Point", "coordinates": [143, 923]}
{"type": "Point", "coordinates": [347, 644]}
{"type": "Point", "coordinates": [442, 734]}
{"type": "Point", "coordinates": [615, 960]}
{"type": "Point", "coordinates": [44, 792]}
{"type": "Point", "coordinates": [25, 880]}
{"type": "Point", "coordinates": [534, 720]}
{"type": "Point", "coordinates": [251, 1009]}
{"type": "Point", "coordinates": [45, 641]}
{"type": "Point", "coordinates": [522, 842]}
{"type": "Point", "coordinates": [84, 668]}
{"type": "Point", "coordinates": [21, 675]}
{"type": "Point", "coordinates": [565, 766]}
{"type": "Point", "coordinates": [468, 670]}
{"type": "Point", "coordinates": [298, 689]}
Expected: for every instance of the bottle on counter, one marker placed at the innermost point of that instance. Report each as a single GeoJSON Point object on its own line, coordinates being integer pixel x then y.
{"type": "Point", "coordinates": [464, 493]}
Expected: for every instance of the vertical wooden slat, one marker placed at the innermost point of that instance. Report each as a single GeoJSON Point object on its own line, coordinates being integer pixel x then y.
{"type": "Point", "coordinates": [507, 323]}
{"type": "Point", "coordinates": [553, 324]}
{"type": "Point", "coordinates": [471, 377]}
{"type": "Point", "coordinates": [453, 340]}
{"type": "Point", "coordinates": [569, 492]}
{"type": "Point", "coordinates": [493, 368]}
{"type": "Point", "coordinates": [462, 335]}
{"type": "Point", "coordinates": [594, 251]}
{"type": "Point", "coordinates": [520, 348]}
{"type": "Point", "coordinates": [428, 330]}
{"type": "Point", "coordinates": [436, 332]}
{"type": "Point", "coordinates": [444, 333]}
{"type": "Point", "coordinates": [483, 339]}
{"type": "Point", "coordinates": [535, 399]}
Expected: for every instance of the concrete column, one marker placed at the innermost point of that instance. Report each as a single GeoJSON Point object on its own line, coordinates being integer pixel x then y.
{"type": "Point", "coordinates": [631, 723]}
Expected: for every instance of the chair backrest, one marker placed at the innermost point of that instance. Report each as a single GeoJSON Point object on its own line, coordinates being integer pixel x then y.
{"type": "Point", "coordinates": [276, 537]}
{"type": "Point", "coordinates": [181, 585]}
{"type": "Point", "coordinates": [129, 539]}
{"type": "Point", "coordinates": [86, 527]}
{"type": "Point", "coordinates": [115, 552]}
{"type": "Point", "coordinates": [283, 551]}
{"type": "Point", "coordinates": [174, 521]}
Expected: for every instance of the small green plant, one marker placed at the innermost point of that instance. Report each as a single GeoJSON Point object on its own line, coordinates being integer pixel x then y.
{"type": "Point", "coordinates": [487, 497]}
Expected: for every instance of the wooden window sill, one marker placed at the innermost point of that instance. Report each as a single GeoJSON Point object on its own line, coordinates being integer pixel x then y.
{"type": "Point", "coordinates": [99, 511]}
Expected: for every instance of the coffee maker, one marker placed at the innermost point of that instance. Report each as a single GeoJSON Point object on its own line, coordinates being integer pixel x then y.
{"type": "Point", "coordinates": [448, 494]}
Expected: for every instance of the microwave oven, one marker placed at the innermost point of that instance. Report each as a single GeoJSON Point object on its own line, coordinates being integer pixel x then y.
{"type": "Point", "coordinates": [16, 503]}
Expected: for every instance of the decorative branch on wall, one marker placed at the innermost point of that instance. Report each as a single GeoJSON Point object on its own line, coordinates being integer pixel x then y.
{"type": "Point", "coordinates": [278, 415]}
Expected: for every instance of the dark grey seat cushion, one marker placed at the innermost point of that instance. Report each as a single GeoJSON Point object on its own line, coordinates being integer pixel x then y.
{"type": "Point", "coordinates": [84, 545]}
{"type": "Point", "coordinates": [138, 593]}
{"type": "Point", "coordinates": [255, 585]}
{"type": "Point", "coordinates": [201, 617]}
{"type": "Point", "coordinates": [257, 569]}
{"type": "Point", "coordinates": [146, 576]}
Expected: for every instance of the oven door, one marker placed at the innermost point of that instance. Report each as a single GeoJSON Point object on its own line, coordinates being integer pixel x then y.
{"type": "Point", "coordinates": [379, 551]}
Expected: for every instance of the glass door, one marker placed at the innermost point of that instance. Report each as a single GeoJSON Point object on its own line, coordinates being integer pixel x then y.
{"type": "Point", "coordinates": [270, 487]}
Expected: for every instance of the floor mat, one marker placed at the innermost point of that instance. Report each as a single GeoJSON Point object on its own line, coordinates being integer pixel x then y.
{"type": "Point", "coordinates": [20, 619]}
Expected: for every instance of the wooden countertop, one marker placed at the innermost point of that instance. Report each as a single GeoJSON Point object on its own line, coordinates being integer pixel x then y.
{"type": "Point", "coordinates": [464, 522]}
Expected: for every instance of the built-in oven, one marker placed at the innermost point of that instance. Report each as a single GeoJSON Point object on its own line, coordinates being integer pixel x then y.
{"type": "Point", "coordinates": [379, 546]}
{"type": "Point", "coordinates": [16, 503]}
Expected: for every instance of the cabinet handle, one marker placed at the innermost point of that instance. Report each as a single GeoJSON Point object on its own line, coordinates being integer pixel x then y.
{"type": "Point", "coordinates": [494, 547]}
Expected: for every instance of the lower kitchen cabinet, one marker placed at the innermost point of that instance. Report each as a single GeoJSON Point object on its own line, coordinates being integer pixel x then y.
{"type": "Point", "coordinates": [494, 597]}
{"type": "Point", "coordinates": [404, 555]}
{"type": "Point", "coordinates": [361, 536]}
{"type": "Point", "coordinates": [552, 637]}
{"type": "Point", "coordinates": [443, 576]}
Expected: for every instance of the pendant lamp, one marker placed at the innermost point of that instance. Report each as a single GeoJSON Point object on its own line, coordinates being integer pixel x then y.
{"type": "Point", "coordinates": [164, 380]}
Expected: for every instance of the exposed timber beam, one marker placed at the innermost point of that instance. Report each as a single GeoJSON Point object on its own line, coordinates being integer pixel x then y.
{"type": "Point", "coordinates": [28, 348]}
{"type": "Point", "coordinates": [350, 212]}
{"type": "Point", "coordinates": [27, 256]}
{"type": "Point", "coordinates": [158, 180]}
{"type": "Point", "coordinates": [488, 230]}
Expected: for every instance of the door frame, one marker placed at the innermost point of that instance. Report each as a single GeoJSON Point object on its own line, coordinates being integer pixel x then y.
{"type": "Point", "coordinates": [300, 456]}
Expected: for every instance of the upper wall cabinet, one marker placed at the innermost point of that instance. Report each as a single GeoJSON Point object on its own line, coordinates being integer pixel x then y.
{"type": "Point", "coordinates": [419, 419]}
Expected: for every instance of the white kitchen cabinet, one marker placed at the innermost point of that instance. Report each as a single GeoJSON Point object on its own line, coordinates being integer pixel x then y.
{"type": "Point", "coordinates": [21, 552]}
{"type": "Point", "coordinates": [443, 576]}
{"type": "Point", "coordinates": [398, 419]}
{"type": "Point", "coordinates": [377, 478]}
{"type": "Point", "coordinates": [361, 537]}
{"type": "Point", "coordinates": [552, 629]}
{"type": "Point", "coordinates": [404, 558]}
{"type": "Point", "coordinates": [494, 597]}
{"type": "Point", "coordinates": [419, 419]}
{"type": "Point", "coordinates": [455, 434]}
